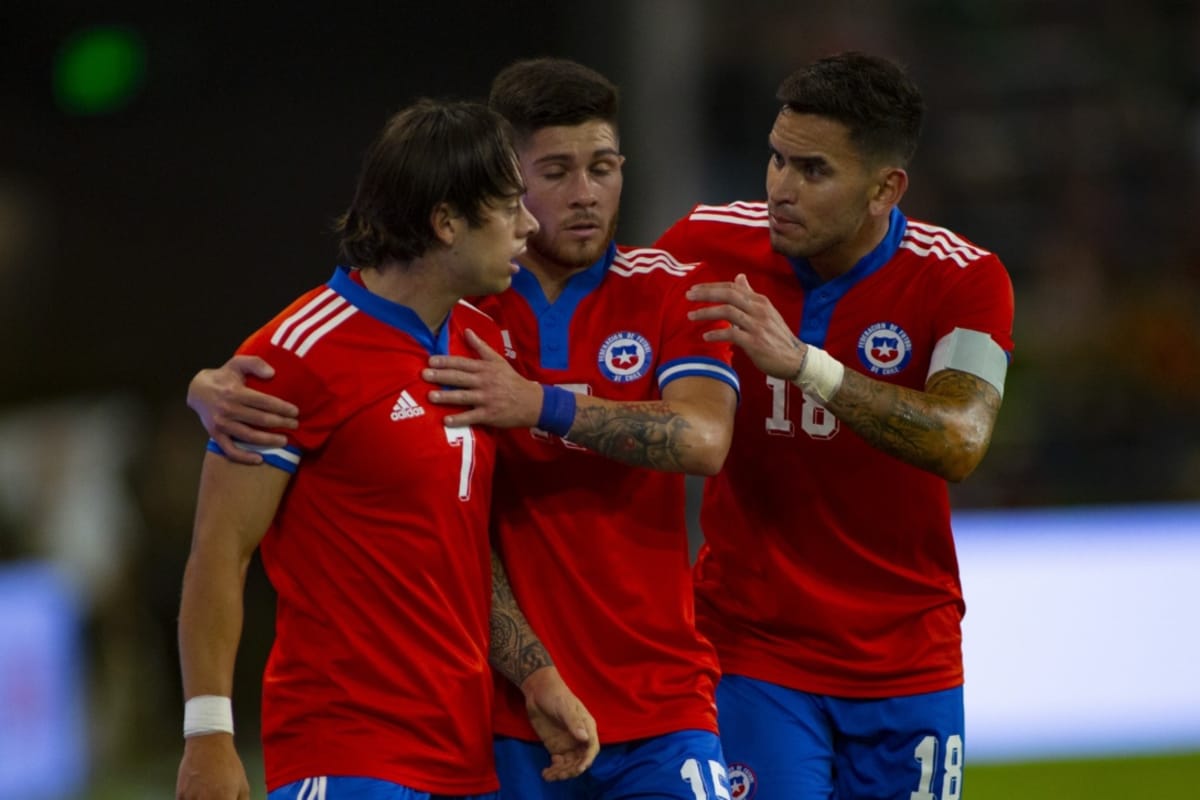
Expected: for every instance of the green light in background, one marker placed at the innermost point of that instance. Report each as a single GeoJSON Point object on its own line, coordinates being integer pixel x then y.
{"type": "Point", "coordinates": [99, 70]}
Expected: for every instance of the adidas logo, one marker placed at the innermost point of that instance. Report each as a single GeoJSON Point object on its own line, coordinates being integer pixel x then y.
{"type": "Point", "coordinates": [406, 407]}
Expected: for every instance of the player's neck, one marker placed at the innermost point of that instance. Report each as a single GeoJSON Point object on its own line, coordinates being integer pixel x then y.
{"type": "Point", "coordinates": [413, 287]}
{"type": "Point", "coordinates": [551, 275]}
{"type": "Point", "coordinates": [842, 257]}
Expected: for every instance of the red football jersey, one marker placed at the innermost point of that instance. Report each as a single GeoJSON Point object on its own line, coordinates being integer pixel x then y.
{"type": "Point", "coordinates": [597, 551]}
{"type": "Point", "coordinates": [379, 551]}
{"type": "Point", "coordinates": [829, 566]}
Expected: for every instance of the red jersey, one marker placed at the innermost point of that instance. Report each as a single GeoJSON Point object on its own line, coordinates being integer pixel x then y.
{"type": "Point", "coordinates": [597, 551]}
{"type": "Point", "coordinates": [829, 566]}
{"type": "Point", "coordinates": [379, 551]}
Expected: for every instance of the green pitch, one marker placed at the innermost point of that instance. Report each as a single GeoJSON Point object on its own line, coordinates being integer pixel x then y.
{"type": "Point", "coordinates": [1174, 776]}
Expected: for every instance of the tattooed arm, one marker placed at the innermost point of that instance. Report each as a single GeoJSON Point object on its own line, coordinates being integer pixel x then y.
{"type": "Point", "coordinates": [946, 429]}
{"type": "Point", "coordinates": [689, 430]}
{"type": "Point", "coordinates": [516, 651]}
{"type": "Point", "coordinates": [561, 721]}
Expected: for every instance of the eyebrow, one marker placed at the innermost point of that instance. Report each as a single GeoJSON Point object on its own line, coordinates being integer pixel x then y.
{"type": "Point", "coordinates": [605, 152]}
{"type": "Point", "coordinates": [797, 160]}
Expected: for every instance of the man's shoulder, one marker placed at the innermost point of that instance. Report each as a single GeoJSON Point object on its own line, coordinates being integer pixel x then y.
{"type": "Point", "coordinates": [940, 246]}
{"type": "Point", "coordinates": [650, 262]}
{"type": "Point", "coordinates": [740, 213]}
{"type": "Point", "coordinates": [714, 232]}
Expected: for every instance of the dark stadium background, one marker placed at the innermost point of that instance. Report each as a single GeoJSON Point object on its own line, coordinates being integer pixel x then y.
{"type": "Point", "coordinates": [152, 216]}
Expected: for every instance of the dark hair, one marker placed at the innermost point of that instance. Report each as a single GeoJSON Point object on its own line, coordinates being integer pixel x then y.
{"type": "Point", "coordinates": [540, 92]}
{"type": "Point", "coordinates": [871, 96]}
{"type": "Point", "coordinates": [431, 152]}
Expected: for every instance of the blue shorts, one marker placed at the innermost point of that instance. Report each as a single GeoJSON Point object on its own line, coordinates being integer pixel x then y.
{"type": "Point", "coordinates": [340, 787]}
{"type": "Point", "coordinates": [687, 765]}
{"type": "Point", "coordinates": [785, 744]}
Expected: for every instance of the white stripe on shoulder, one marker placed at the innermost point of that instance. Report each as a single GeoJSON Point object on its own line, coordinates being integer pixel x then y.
{"type": "Point", "coordinates": [316, 335]}
{"type": "Point", "coordinates": [753, 215]}
{"type": "Point", "coordinates": [925, 240]}
{"type": "Point", "coordinates": [947, 235]}
{"type": "Point", "coordinates": [293, 330]}
{"type": "Point", "coordinates": [647, 260]}
{"type": "Point", "coordinates": [286, 325]}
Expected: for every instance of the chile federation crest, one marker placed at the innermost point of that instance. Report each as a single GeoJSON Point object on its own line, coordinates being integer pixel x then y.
{"type": "Point", "coordinates": [742, 782]}
{"type": "Point", "coordinates": [884, 348]}
{"type": "Point", "coordinates": [624, 357]}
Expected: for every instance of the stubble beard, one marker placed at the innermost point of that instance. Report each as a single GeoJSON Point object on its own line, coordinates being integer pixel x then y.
{"type": "Point", "coordinates": [573, 255]}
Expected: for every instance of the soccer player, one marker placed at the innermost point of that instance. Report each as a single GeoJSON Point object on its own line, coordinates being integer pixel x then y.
{"type": "Point", "coordinates": [595, 547]}
{"type": "Point", "coordinates": [372, 517]}
{"type": "Point", "coordinates": [873, 350]}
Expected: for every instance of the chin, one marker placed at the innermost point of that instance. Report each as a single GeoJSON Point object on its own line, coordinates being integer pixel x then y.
{"type": "Point", "coordinates": [787, 247]}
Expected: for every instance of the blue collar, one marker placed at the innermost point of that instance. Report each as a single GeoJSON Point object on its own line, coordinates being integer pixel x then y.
{"type": "Point", "coordinates": [389, 313]}
{"type": "Point", "coordinates": [554, 319]}
{"type": "Point", "coordinates": [820, 297]}
{"type": "Point", "coordinates": [578, 285]}
{"type": "Point", "coordinates": [880, 255]}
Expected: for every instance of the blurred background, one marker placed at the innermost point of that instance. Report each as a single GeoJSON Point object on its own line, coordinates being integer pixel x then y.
{"type": "Point", "coordinates": [168, 176]}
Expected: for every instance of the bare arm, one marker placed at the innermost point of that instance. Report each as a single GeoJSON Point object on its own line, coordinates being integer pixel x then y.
{"type": "Point", "coordinates": [689, 430]}
{"type": "Point", "coordinates": [228, 410]}
{"type": "Point", "coordinates": [234, 507]}
{"type": "Point", "coordinates": [559, 718]}
{"type": "Point", "coordinates": [945, 429]}
{"type": "Point", "coordinates": [516, 652]}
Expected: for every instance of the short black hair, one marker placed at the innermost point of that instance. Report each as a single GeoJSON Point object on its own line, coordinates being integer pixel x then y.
{"type": "Point", "coordinates": [872, 96]}
{"type": "Point", "coordinates": [541, 92]}
{"type": "Point", "coordinates": [432, 152]}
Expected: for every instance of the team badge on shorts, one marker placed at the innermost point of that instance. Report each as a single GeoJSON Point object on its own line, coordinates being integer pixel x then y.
{"type": "Point", "coordinates": [742, 783]}
{"type": "Point", "coordinates": [884, 348]}
{"type": "Point", "coordinates": [624, 357]}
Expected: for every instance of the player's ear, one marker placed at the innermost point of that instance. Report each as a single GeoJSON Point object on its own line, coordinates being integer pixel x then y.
{"type": "Point", "coordinates": [891, 185]}
{"type": "Point", "coordinates": [446, 222]}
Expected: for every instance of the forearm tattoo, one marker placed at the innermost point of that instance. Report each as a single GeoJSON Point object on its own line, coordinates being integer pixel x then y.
{"type": "Point", "coordinates": [641, 434]}
{"type": "Point", "coordinates": [516, 652]}
{"type": "Point", "coordinates": [918, 428]}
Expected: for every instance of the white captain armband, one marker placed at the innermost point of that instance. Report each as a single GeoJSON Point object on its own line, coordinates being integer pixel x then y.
{"type": "Point", "coordinates": [974, 352]}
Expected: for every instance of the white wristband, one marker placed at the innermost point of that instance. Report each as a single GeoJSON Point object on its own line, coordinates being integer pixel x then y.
{"type": "Point", "coordinates": [820, 375]}
{"type": "Point", "coordinates": [207, 713]}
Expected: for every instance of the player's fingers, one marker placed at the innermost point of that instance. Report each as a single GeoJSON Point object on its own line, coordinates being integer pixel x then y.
{"type": "Point", "coordinates": [236, 454]}
{"type": "Point", "coordinates": [251, 365]}
{"type": "Point", "coordinates": [451, 377]}
{"type": "Point", "coordinates": [243, 419]}
{"type": "Point", "coordinates": [251, 433]}
{"type": "Point", "coordinates": [708, 313]}
{"type": "Point", "coordinates": [252, 399]}
{"type": "Point", "coordinates": [454, 397]}
{"type": "Point", "coordinates": [466, 419]}
{"type": "Point", "coordinates": [717, 293]}
{"type": "Point", "coordinates": [486, 353]}
{"type": "Point", "coordinates": [564, 767]}
{"type": "Point", "coordinates": [460, 363]}
{"type": "Point", "coordinates": [721, 335]}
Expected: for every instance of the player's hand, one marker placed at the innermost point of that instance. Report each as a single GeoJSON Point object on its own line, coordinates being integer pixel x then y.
{"type": "Point", "coordinates": [211, 770]}
{"type": "Point", "coordinates": [498, 395]}
{"type": "Point", "coordinates": [755, 325]}
{"type": "Point", "coordinates": [228, 410]}
{"type": "Point", "coordinates": [562, 723]}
